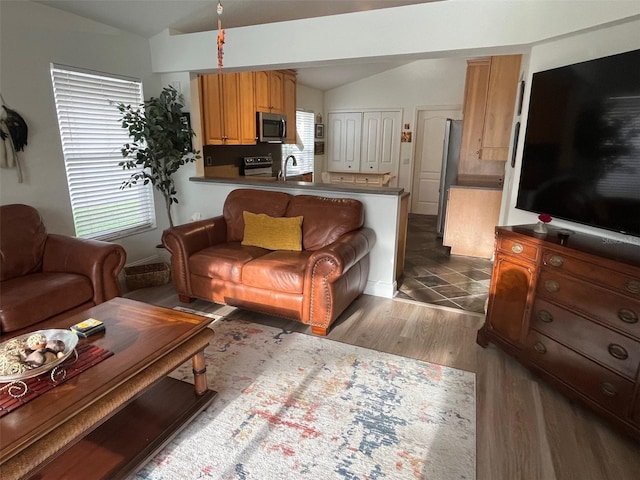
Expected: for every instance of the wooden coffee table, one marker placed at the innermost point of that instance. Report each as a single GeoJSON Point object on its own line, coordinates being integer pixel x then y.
{"type": "Point", "coordinates": [110, 419]}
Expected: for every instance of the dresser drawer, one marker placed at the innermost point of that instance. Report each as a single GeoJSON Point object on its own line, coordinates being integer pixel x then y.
{"type": "Point", "coordinates": [595, 302]}
{"type": "Point", "coordinates": [635, 409]}
{"type": "Point", "coordinates": [369, 179]}
{"type": "Point", "coordinates": [596, 382]}
{"type": "Point", "coordinates": [342, 178]}
{"type": "Point", "coordinates": [618, 281]}
{"type": "Point", "coordinates": [605, 346]}
{"type": "Point", "coordinates": [517, 248]}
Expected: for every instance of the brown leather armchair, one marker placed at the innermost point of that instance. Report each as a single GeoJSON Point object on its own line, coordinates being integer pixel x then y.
{"type": "Point", "coordinates": [313, 286]}
{"type": "Point", "coordinates": [45, 276]}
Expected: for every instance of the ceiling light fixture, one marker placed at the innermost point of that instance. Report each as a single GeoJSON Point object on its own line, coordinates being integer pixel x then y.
{"type": "Point", "coordinates": [220, 36]}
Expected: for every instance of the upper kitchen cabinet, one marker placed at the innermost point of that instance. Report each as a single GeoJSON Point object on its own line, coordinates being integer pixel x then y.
{"type": "Point", "coordinates": [229, 102]}
{"type": "Point", "coordinates": [270, 91]}
{"type": "Point", "coordinates": [501, 98]}
{"type": "Point", "coordinates": [228, 109]}
{"type": "Point", "coordinates": [289, 102]}
{"type": "Point", "coordinates": [489, 100]}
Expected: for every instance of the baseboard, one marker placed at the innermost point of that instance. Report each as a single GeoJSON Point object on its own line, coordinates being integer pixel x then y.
{"type": "Point", "coordinates": [380, 289]}
{"type": "Point", "coordinates": [145, 261]}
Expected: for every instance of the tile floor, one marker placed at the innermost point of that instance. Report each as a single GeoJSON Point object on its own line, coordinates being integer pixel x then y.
{"type": "Point", "coordinates": [432, 275]}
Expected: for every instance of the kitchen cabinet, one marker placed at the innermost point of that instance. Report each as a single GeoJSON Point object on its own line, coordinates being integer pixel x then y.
{"type": "Point", "coordinates": [569, 311]}
{"type": "Point", "coordinates": [489, 100]}
{"type": "Point", "coordinates": [269, 91]}
{"type": "Point", "coordinates": [471, 217]}
{"type": "Point", "coordinates": [344, 133]}
{"type": "Point", "coordinates": [365, 142]}
{"type": "Point", "coordinates": [380, 141]}
{"type": "Point", "coordinates": [229, 103]}
{"type": "Point", "coordinates": [228, 111]}
{"type": "Point", "coordinates": [289, 103]}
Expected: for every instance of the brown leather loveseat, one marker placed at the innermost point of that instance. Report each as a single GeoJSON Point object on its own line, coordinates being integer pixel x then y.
{"type": "Point", "coordinates": [223, 259]}
{"type": "Point", "coordinates": [44, 276]}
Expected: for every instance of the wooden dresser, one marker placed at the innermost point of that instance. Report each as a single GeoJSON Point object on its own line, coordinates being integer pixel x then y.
{"type": "Point", "coordinates": [570, 311]}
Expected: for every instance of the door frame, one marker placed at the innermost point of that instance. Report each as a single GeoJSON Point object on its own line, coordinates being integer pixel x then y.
{"type": "Point", "coordinates": [418, 109]}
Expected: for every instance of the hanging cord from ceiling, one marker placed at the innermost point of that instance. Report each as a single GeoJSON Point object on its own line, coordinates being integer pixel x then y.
{"type": "Point", "coordinates": [13, 133]}
{"type": "Point", "coordinates": [219, 9]}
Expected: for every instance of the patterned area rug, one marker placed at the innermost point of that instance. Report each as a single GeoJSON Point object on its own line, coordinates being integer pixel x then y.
{"type": "Point", "coordinates": [294, 406]}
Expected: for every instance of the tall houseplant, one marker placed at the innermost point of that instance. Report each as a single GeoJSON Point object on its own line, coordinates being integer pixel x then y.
{"type": "Point", "coordinates": [161, 143]}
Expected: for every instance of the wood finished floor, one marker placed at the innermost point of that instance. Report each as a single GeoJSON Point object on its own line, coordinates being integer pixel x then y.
{"type": "Point", "coordinates": [525, 430]}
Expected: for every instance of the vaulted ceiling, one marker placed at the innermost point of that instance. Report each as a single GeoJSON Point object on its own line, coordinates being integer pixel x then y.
{"type": "Point", "coordinates": [150, 17]}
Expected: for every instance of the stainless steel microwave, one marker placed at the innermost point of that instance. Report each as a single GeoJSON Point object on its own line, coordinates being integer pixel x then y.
{"type": "Point", "coordinates": [272, 127]}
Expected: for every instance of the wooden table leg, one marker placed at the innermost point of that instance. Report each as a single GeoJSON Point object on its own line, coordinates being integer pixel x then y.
{"type": "Point", "coordinates": [200, 373]}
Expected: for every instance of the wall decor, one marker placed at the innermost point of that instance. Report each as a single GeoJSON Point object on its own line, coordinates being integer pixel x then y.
{"type": "Point", "coordinates": [319, 130]}
{"type": "Point", "coordinates": [318, 148]}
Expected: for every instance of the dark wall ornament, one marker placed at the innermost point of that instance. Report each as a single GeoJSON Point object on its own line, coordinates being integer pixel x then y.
{"type": "Point", "coordinates": [13, 133]}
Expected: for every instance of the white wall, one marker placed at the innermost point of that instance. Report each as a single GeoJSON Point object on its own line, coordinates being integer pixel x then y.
{"type": "Point", "coordinates": [576, 48]}
{"type": "Point", "coordinates": [418, 84]}
{"type": "Point", "coordinates": [33, 36]}
{"type": "Point", "coordinates": [311, 99]}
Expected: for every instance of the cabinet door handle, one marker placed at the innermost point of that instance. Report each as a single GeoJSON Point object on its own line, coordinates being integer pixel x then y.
{"type": "Point", "coordinates": [608, 389]}
{"type": "Point", "coordinates": [627, 315]}
{"type": "Point", "coordinates": [517, 248]}
{"type": "Point", "coordinates": [633, 286]}
{"type": "Point", "coordinates": [556, 260]}
{"type": "Point", "coordinates": [545, 316]}
{"type": "Point", "coordinates": [551, 286]}
{"type": "Point", "coordinates": [539, 347]}
{"type": "Point", "coordinates": [618, 351]}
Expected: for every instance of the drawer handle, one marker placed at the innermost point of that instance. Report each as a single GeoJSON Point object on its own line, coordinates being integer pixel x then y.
{"type": "Point", "coordinates": [618, 351]}
{"type": "Point", "coordinates": [540, 348]}
{"type": "Point", "coordinates": [556, 260]}
{"type": "Point", "coordinates": [608, 389]}
{"type": "Point", "coordinates": [517, 248]}
{"type": "Point", "coordinates": [545, 316]}
{"type": "Point", "coordinates": [627, 316]}
{"type": "Point", "coordinates": [551, 286]}
{"type": "Point", "coordinates": [633, 286]}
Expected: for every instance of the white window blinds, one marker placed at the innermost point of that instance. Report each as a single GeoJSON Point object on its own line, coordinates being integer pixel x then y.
{"type": "Point", "coordinates": [92, 138]}
{"type": "Point", "coordinates": [303, 149]}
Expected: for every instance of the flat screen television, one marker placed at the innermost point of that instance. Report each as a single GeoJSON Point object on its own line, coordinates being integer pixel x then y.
{"type": "Point", "coordinates": [581, 157]}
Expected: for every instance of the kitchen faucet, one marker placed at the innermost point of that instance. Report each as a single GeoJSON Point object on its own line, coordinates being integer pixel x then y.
{"type": "Point", "coordinates": [284, 167]}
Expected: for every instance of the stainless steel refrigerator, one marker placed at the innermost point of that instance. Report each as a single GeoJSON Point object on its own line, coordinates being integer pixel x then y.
{"type": "Point", "coordinates": [449, 172]}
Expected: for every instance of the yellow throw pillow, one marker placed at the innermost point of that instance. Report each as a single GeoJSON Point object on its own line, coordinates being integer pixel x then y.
{"type": "Point", "coordinates": [272, 233]}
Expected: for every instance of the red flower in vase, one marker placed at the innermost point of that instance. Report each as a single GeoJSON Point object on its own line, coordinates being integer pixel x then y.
{"type": "Point", "coordinates": [544, 218]}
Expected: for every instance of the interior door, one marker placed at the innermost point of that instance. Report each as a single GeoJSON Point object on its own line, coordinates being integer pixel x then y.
{"type": "Point", "coordinates": [429, 147]}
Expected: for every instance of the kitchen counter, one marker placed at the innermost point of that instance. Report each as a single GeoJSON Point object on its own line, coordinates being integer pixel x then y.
{"type": "Point", "coordinates": [290, 185]}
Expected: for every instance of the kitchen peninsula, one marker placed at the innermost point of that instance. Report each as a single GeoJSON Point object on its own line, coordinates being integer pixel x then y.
{"type": "Point", "coordinates": [386, 212]}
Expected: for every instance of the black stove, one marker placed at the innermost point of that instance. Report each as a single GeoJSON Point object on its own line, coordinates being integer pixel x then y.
{"type": "Point", "coordinates": [261, 166]}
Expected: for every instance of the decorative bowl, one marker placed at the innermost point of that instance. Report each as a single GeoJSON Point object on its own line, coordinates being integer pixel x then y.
{"type": "Point", "coordinates": [70, 340]}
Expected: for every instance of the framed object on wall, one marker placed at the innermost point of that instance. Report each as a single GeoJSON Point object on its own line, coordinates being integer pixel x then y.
{"type": "Point", "coordinates": [318, 148]}
{"type": "Point", "coordinates": [319, 130]}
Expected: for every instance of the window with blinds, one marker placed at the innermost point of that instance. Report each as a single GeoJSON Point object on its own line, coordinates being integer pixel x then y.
{"type": "Point", "coordinates": [92, 138]}
{"type": "Point", "coordinates": [303, 149]}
